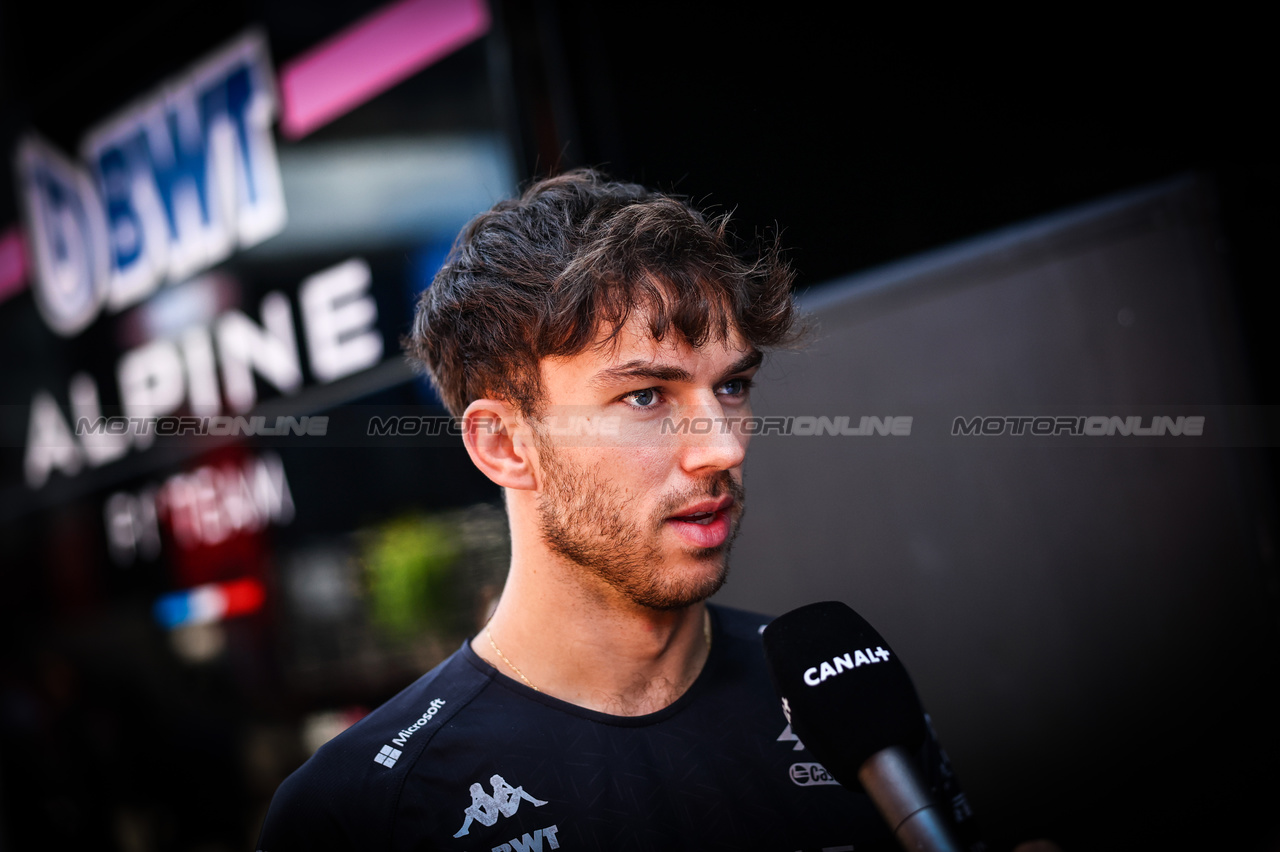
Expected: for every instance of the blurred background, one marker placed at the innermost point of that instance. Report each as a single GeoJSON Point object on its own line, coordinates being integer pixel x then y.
{"type": "Point", "coordinates": [226, 211]}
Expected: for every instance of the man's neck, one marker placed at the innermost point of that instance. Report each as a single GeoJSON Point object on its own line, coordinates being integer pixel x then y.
{"type": "Point", "coordinates": [567, 635]}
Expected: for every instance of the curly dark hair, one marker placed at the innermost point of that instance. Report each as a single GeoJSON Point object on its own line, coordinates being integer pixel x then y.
{"type": "Point", "coordinates": [545, 274]}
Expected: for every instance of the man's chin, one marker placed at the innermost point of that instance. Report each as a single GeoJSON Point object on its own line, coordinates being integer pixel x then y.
{"type": "Point", "coordinates": [694, 593]}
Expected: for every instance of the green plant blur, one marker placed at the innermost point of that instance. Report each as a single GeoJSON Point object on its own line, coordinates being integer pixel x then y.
{"type": "Point", "coordinates": [410, 570]}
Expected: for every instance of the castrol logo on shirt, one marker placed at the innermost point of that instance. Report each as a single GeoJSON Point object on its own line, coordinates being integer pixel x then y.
{"type": "Point", "coordinates": [811, 774]}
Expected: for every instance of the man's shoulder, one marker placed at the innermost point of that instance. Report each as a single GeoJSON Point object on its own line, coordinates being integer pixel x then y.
{"type": "Point", "coordinates": [407, 721]}
{"type": "Point", "coordinates": [349, 789]}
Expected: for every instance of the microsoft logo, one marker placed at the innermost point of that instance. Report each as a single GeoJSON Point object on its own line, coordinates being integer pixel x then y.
{"type": "Point", "coordinates": [387, 757]}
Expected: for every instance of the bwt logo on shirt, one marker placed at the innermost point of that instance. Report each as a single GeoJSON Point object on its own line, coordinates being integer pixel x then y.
{"type": "Point", "coordinates": [817, 674]}
{"type": "Point", "coordinates": [531, 842]}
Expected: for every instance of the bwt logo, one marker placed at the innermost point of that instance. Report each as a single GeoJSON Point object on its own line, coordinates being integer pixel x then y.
{"type": "Point", "coordinates": [819, 673]}
{"type": "Point", "coordinates": [531, 842]}
{"type": "Point", "coordinates": [169, 187]}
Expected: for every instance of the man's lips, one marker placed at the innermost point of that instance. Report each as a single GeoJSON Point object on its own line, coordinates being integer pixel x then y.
{"type": "Point", "coordinates": [702, 512]}
{"type": "Point", "coordinates": [705, 524]}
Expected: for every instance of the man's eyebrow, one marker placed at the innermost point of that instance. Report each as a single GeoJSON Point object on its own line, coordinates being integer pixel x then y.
{"type": "Point", "coordinates": [641, 369]}
{"type": "Point", "coordinates": [751, 360]}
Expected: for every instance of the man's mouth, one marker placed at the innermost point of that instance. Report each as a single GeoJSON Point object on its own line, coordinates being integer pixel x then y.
{"type": "Point", "coordinates": [706, 523]}
{"type": "Point", "coordinates": [703, 511]}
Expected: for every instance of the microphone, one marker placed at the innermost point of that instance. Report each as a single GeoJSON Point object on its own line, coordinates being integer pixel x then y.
{"type": "Point", "coordinates": [849, 699]}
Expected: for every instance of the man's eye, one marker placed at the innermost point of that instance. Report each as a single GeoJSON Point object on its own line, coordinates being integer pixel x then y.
{"type": "Point", "coordinates": [735, 387]}
{"type": "Point", "coordinates": [642, 398]}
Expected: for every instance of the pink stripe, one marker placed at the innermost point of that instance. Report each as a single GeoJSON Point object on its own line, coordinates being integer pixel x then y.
{"type": "Point", "coordinates": [13, 264]}
{"type": "Point", "coordinates": [372, 55]}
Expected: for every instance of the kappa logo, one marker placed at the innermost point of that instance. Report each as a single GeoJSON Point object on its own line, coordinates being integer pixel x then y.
{"type": "Point", "coordinates": [486, 809]}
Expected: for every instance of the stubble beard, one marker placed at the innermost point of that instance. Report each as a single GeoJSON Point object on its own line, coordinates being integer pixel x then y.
{"type": "Point", "coordinates": [584, 518]}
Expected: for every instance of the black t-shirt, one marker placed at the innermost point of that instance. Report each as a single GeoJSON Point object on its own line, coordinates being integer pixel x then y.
{"type": "Point", "coordinates": [469, 759]}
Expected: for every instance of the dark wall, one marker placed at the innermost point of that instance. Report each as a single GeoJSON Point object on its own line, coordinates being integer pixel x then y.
{"type": "Point", "coordinates": [1091, 619]}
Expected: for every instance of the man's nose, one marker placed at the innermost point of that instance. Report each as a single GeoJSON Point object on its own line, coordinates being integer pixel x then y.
{"type": "Point", "coordinates": [714, 439]}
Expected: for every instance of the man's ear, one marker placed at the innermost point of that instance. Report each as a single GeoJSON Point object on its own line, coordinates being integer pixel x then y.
{"type": "Point", "coordinates": [499, 443]}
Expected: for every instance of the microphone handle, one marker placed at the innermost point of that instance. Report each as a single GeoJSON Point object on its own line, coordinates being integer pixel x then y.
{"type": "Point", "coordinates": [890, 779]}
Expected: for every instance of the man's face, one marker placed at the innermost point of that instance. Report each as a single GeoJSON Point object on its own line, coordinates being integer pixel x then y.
{"type": "Point", "coordinates": [641, 462]}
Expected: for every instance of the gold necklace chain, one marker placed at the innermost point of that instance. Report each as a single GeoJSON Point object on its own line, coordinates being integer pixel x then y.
{"type": "Point", "coordinates": [706, 633]}
{"type": "Point", "coordinates": [514, 668]}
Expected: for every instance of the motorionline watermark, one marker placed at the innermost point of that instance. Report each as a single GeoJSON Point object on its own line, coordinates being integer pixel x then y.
{"type": "Point", "coordinates": [1086, 426]}
{"type": "Point", "coordinates": [573, 425]}
{"type": "Point", "coordinates": [413, 425]}
{"type": "Point", "coordinates": [213, 425]}
{"type": "Point", "coordinates": [800, 425]}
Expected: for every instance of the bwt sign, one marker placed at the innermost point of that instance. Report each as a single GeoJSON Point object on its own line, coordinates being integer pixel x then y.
{"type": "Point", "coordinates": [169, 187]}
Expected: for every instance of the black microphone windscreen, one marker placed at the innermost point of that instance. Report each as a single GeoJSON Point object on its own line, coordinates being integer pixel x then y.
{"type": "Point", "coordinates": [844, 690]}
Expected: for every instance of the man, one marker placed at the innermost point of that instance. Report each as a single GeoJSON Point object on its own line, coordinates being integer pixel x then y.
{"type": "Point", "coordinates": [582, 333]}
